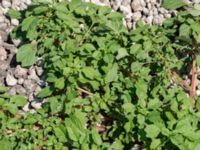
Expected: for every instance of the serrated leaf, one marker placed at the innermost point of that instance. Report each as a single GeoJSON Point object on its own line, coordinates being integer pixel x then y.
{"type": "Point", "coordinates": [171, 4]}
{"type": "Point", "coordinates": [27, 55]}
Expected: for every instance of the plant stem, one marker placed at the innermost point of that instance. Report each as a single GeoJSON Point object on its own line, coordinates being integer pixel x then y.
{"type": "Point", "coordinates": [193, 81]}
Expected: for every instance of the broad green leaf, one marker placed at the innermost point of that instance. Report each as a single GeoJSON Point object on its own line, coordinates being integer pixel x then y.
{"type": "Point", "coordinates": [14, 14]}
{"type": "Point", "coordinates": [90, 72]}
{"type": "Point", "coordinates": [112, 74]}
{"type": "Point", "coordinates": [6, 144]}
{"type": "Point", "coordinates": [60, 135]}
{"type": "Point", "coordinates": [96, 137]}
{"type": "Point", "coordinates": [152, 131]}
{"type": "Point", "coordinates": [141, 89]}
{"type": "Point", "coordinates": [184, 31]}
{"type": "Point", "coordinates": [40, 9]}
{"type": "Point", "coordinates": [60, 83]}
{"type": "Point", "coordinates": [12, 108]}
{"type": "Point", "coordinates": [45, 92]}
{"type": "Point", "coordinates": [71, 134]}
{"type": "Point", "coordinates": [171, 4]}
{"type": "Point", "coordinates": [18, 100]}
{"type": "Point", "coordinates": [155, 143]}
{"type": "Point", "coordinates": [28, 23]}
{"type": "Point", "coordinates": [27, 55]}
{"type": "Point", "coordinates": [136, 66]}
{"type": "Point", "coordinates": [122, 52]}
{"type": "Point", "coordinates": [194, 12]}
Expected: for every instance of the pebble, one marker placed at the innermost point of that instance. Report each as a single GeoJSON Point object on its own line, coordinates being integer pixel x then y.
{"type": "Point", "coordinates": [137, 16]}
{"type": "Point", "coordinates": [39, 70]}
{"type": "Point", "coordinates": [26, 108]}
{"type": "Point", "coordinates": [3, 54]}
{"type": "Point", "coordinates": [20, 72]}
{"type": "Point", "coordinates": [12, 91]}
{"type": "Point", "coordinates": [10, 80]}
{"type": "Point", "coordinates": [15, 22]}
{"type": "Point", "coordinates": [36, 105]}
{"type": "Point", "coordinates": [6, 3]}
{"type": "Point", "coordinates": [30, 85]}
{"type": "Point", "coordinates": [20, 90]}
{"type": "Point", "coordinates": [32, 74]}
{"type": "Point", "coordinates": [20, 81]}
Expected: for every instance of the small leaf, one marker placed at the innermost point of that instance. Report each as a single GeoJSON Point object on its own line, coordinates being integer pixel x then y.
{"type": "Point", "coordinates": [14, 14]}
{"type": "Point", "coordinates": [18, 100]}
{"type": "Point", "coordinates": [90, 73]}
{"type": "Point", "coordinates": [112, 74]}
{"type": "Point", "coordinates": [155, 143]}
{"type": "Point", "coordinates": [96, 137]}
{"type": "Point", "coordinates": [184, 31]}
{"type": "Point", "coordinates": [45, 92]}
{"type": "Point", "coordinates": [60, 135]}
{"type": "Point", "coordinates": [171, 4]}
{"type": "Point", "coordinates": [28, 23]}
{"type": "Point", "coordinates": [152, 131]}
{"type": "Point", "coordinates": [26, 55]}
{"type": "Point", "coordinates": [60, 83]}
{"type": "Point", "coordinates": [122, 52]}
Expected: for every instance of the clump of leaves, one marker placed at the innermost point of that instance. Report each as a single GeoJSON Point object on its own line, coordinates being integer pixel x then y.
{"type": "Point", "coordinates": [108, 88]}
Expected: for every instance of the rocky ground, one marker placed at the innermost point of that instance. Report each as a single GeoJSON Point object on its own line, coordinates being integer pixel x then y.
{"type": "Point", "coordinates": [28, 81]}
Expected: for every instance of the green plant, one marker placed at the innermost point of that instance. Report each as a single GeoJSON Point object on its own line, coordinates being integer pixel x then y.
{"type": "Point", "coordinates": [108, 88]}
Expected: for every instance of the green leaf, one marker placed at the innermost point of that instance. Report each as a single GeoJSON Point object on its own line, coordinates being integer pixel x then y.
{"type": "Point", "coordinates": [14, 14]}
{"type": "Point", "coordinates": [122, 52]}
{"type": "Point", "coordinates": [28, 23]}
{"type": "Point", "coordinates": [45, 92]}
{"type": "Point", "coordinates": [155, 143]}
{"type": "Point", "coordinates": [60, 83]}
{"type": "Point", "coordinates": [12, 108]}
{"type": "Point", "coordinates": [152, 131]}
{"type": "Point", "coordinates": [184, 31]}
{"type": "Point", "coordinates": [26, 55]}
{"type": "Point", "coordinates": [112, 74]}
{"type": "Point", "coordinates": [40, 9]}
{"type": "Point", "coordinates": [6, 144]}
{"type": "Point", "coordinates": [3, 89]}
{"type": "Point", "coordinates": [18, 100]}
{"type": "Point", "coordinates": [90, 72]}
{"type": "Point", "coordinates": [96, 137]}
{"type": "Point", "coordinates": [60, 134]}
{"type": "Point", "coordinates": [71, 134]}
{"type": "Point", "coordinates": [171, 4]}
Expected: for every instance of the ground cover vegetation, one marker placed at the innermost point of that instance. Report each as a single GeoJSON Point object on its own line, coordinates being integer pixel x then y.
{"type": "Point", "coordinates": [108, 88]}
